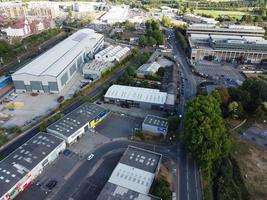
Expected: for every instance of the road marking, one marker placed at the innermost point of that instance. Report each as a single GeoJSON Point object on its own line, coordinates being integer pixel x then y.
{"type": "Point", "coordinates": [72, 171]}
{"type": "Point", "coordinates": [93, 170]}
{"type": "Point", "coordinates": [187, 183]}
{"type": "Point", "coordinates": [195, 170]}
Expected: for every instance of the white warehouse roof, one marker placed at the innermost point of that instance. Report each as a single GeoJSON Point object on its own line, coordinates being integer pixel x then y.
{"type": "Point", "coordinates": [55, 60]}
{"type": "Point", "coordinates": [136, 94]}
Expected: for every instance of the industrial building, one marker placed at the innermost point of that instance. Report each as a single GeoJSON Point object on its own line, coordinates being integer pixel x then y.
{"type": "Point", "coordinates": [190, 18]}
{"type": "Point", "coordinates": [22, 166]}
{"type": "Point", "coordinates": [112, 53]}
{"type": "Point", "coordinates": [136, 97]}
{"type": "Point", "coordinates": [116, 14]}
{"type": "Point", "coordinates": [133, 176]}
{"type": "Point", "coordinates": [236, 30]}
{"type": "Point", "coordinates": [76, 123]}
{"type": "Point", "coordinates": [227, 48]}
{"type": "Point", "coordinates": [147, 69]}
{"type": "Point", "coordinates": [94, 69]}
{"type": "Point", "coordinates": [155, 125]}
{"type": "Point", "coordinates": [51, 71]}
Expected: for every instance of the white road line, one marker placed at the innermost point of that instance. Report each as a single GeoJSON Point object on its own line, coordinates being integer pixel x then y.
{"type": "Point", "coordinates": [187, 183]}
{"type": "Point", "coordinates": [195, 170]}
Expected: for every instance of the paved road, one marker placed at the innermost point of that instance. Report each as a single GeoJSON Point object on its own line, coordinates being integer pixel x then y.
{"type": "Point", "coordinates": [86, 182]}
{"type": "Point", "coordinates": [14, 145]}
{"type": "Point", "coordinates": [188, 171]}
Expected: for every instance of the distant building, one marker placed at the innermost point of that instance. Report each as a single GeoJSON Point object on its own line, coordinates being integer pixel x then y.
{"type": "Point", "coordinates": [20, 28]}
{"type": "Point", "coordinates": [88, 6]}
{"type": "Point", "coordinates": [13, 10]}
{"type": "Point", "coordinates": [155, 125]}
{"type": "Point", "coordinates": [37, 26]}
{"type": "Point", "coordinates": [22, 166]}
{"type": "Point", "coordinates": [44, 9]}
{"type": "Point", "coordinates": [133, 176]}
{"type": "Point", "coordinates": [227, 48]}
{"type": "Point", "coordinates": [116, 14]}
{"type": "Point", "coordinates": [112, 53]}
{"type": "Point", "coordinates": [136, 97]}
{"type": "Point", "coordinates": [231, 30]}
{"type": "Point", "coordinates": [199, 19]}
{"type": "Point", "coordinates": [76, 123]}
{"type": "Point", "coordinates": [94, 69]}
{"type": "Point", "coordinates": [51, 71]}
{"type": "Point", "coordinates": [147, 69]}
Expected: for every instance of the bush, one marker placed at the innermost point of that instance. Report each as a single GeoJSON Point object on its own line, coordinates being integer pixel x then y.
{"type": "Point", "coordinates": [162, 189]}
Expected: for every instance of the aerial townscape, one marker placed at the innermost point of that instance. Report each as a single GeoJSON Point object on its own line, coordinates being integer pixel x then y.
{"type": "Point", "coordinates": [133, 99]}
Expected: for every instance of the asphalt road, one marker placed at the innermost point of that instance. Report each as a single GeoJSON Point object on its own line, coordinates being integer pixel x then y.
{"type": "Point", "coordinates": [21, 140]}
{"type": "Point", "coordinates": [91, 176]}
{"type": "Point", "coordinates": [189, 179]}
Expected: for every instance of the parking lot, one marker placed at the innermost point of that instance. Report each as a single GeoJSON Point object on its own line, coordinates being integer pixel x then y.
{"type": "Point", "coordinates": [118, 125]}
{"type": "Point", "coordinates": [218, 70]}
{"type": "Point", "coordinates": [58, 171]}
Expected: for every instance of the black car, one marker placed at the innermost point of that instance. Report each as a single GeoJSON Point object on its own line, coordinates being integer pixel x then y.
{"type": "Point", "coordinates": [51, 184]}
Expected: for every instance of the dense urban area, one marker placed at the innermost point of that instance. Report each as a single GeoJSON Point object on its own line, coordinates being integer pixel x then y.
{"type": "Point", "coordinates": [133, 100]}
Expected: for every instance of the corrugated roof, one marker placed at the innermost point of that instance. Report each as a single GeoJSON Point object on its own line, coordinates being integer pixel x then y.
{"type": "Point", "coordinates": [55, 60]}
{"type": "Point", "coordinates": [138, 94]}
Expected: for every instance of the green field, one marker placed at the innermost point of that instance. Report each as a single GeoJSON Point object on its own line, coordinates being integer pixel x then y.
{"type": "Point", "coordinates": [216, 13]}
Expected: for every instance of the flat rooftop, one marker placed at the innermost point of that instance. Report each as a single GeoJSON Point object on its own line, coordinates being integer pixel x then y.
{"type": "Point", "coordinates": [137, 94]}
{"type": "Point", "coordinates": [98, 66]}
{"type": "Point", "coordinates": [76, 119]}
{"type": "Point", "coordinates": [136, 169]}
{"type": "Point", "coordinates": [25, 158]}
{"type": "Point", "coordinates": [56, 59]}
{"type": "Point", "coordinates": [141, 158]}
{"type": "Point", "coordinates": [149, 67]}
{"type": "Point", "coordinates": [156, 121]}
{"type": "Point", "coordinates": [115, 192]}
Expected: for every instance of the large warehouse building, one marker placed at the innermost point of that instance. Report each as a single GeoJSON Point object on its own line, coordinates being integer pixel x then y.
{"type": "Point", "coordinates": [133, 176]}
{"type": "Point", "coordinates": [21, 167]}
{"type": "Point", "coordinates": [136, 97]}
{"type": "Point", "coordinates": [112, 53]}
{"type": "Point", "coordinates": [52, 70]}
{"type": "Point", "coordinates": [227, 48]}
{"type": "Point", "coordinates": [73, 125]}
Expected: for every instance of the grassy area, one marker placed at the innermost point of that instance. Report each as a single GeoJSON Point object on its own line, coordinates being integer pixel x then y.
{"type": "Point", "coordinates": [3, 139]}
{"type": "Point", "coordinates": [252, 161]}
{"type": "Point", "coordinates": [217, 13]}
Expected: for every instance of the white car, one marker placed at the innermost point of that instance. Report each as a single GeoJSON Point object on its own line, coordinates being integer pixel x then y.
{"type": "Point", "coordinates": [90, 156]}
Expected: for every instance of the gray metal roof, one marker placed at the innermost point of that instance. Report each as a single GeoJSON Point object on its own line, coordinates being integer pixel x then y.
{"type": "Point", "coordinates": [156, 121]}
{"type": "Point", "coordinates": [114, 192]}
{"type": "Point", "coordinates": [141, 158]}
{"type": "Point", "coordinates": [76, 119]}
{"type": "Point", "coordinates": [25, 158]}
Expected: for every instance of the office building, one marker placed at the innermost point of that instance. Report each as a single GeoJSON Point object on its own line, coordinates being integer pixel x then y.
{"type": "Point", "coordinates": [190, 18]}
{"type": "Point", "coordinates": [44, 9]}
{"type": "Point", "coordinates": [133, 176]}
{"type": "Point", "coordinates": [22, 166]}
{"type": "Point", "coordinates": [227, 48]}
{"type": "Point", "coordinates": [13, 10]}
{"type": "Point", "coordinates": [76, 123]}
{"type": "Point", "coordinates": [52, 70]}
{"type": "Point", "coordinates": [155, 125]}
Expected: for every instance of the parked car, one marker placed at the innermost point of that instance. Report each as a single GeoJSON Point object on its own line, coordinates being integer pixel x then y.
{"type": "Point", "coordinates": [60, 99]}
{"type": "Point", "coordinates": [51, 184]}
{"type": "Point", "coordinates": [90, 156]}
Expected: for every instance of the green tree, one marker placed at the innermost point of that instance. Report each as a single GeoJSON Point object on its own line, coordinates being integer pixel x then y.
{"type": "Point", "coordinates": [161, 71]}
{"type": "Point", "coordinates": [166, 21]}
{"type": "Point", "coordinates": [205, 134]}
{"type": "Point", "coordinates": [181, 39]}
{"type": "Point", "coordinates": [143, 41]}
{"type": "Point", "coordinates": [158, 36]}
{"type": "Point", "coordinates": [236, 110]}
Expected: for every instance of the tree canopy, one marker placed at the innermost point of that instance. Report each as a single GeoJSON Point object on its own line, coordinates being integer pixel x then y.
{"type": "Point", "coordinates": [205, 134]}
